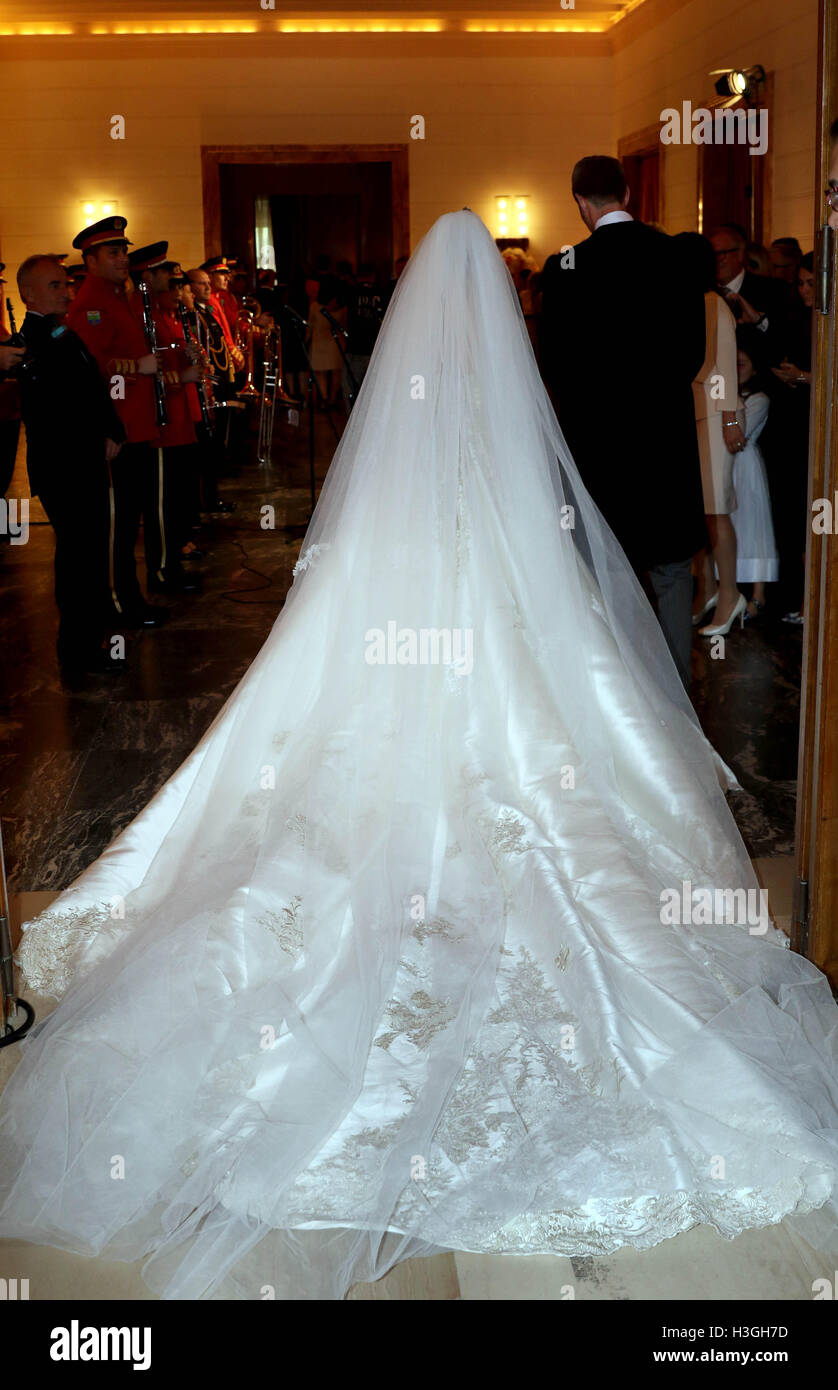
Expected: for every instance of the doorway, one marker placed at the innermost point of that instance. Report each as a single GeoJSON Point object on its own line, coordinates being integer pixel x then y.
{"type": "Point", "coordinates": [641, 155]}
{"type": "Point", "coordinates": [345, 202]}
{"type": "Point", "coordinates": [733, 185]}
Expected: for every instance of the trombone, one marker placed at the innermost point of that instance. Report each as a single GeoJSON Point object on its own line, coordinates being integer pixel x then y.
{"type": "Point", "coordinates": [245, 330]}
{"type": "Point", "coordinates": [267, 407]}
{"type": "Point", "coordinates": [273, 390]}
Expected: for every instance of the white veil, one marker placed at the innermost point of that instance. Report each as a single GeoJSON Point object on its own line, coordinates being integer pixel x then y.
{"type": "Point", "coordinates": [315, 993]}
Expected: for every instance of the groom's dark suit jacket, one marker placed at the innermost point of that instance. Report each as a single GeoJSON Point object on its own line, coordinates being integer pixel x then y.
{"type": "Point", "coordinates": [622, 339]}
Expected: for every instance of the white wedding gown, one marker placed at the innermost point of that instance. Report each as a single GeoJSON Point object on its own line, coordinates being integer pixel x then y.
{"type": "Point", "coordinates": [383, 969]}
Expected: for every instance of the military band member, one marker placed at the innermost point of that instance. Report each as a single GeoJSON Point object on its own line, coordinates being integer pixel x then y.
{"type": "Point", "coordinates": [212, 338]}
{"type": "Point", "coordinates": [200, 405]}
{"type": "Point", "coordinates": [178, 438]}
{"type": "Point", "coordinates": [225, 304]}
{"type": "Point", "coordinates": [110, 325]}
{"type": "Point", "coordinates": [75, 274]}
{"type": "Point", "coordinates": [72, 433]}
{"type": "Point", "coordinates": [166, 575]}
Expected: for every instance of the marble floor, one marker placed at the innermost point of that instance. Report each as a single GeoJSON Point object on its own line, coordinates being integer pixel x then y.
{"type": "Point", "coordinates": [77, 763]}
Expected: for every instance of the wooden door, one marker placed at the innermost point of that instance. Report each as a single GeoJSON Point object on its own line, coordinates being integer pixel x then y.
{"type": "Point", "coordinates": [641, 155]}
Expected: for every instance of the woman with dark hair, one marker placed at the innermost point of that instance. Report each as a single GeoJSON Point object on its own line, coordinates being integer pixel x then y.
{"type": "Point", "coordinates": [789, 457]}
{"type": "Point", "coordinates": [720, 437]}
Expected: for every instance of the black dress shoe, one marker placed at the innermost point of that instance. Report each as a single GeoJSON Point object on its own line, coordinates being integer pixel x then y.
{"type": "Point", "coordinates": [223, 508]}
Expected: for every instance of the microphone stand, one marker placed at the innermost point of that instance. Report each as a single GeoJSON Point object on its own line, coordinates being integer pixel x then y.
{"type": "Point", "coordinates": [11, 1005]}
{"type": "Point", "coordinates": [312, 388]}
{"type": "Point", "coordinates": [341, 336]}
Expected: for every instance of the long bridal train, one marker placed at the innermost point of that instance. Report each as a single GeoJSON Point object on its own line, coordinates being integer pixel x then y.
{"type": "Point", "coordinates": [384, 968]}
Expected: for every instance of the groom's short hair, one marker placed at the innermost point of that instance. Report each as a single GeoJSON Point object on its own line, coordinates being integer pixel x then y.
{"type": "Point", "coordinates": [600, 178]}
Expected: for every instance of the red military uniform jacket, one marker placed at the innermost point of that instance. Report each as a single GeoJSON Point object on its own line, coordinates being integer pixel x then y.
{"type": "Point", "coordinates": [228, 329]}
{"type": "Point", "coordinates": [110, 327]}
{"type": "Point", "coordinates": [231, 307]}
{"type": "Point", "coordinates": [181, 408]}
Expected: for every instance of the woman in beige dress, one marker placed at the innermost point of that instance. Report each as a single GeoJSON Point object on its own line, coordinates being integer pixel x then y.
{"type": "Point", "coordinates": [719, 417]}
{"type": "Point", "coordinates": [324, 352]}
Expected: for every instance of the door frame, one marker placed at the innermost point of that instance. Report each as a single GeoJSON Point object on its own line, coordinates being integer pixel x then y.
{"type": "Point", "coordinates": [763, 186]}
{"type": "Point", "coordinates": [645, 142]}
{"type": "Point", "coordinates": [213, 156]}
{"type": "Point", "coordinates": [815, 913]}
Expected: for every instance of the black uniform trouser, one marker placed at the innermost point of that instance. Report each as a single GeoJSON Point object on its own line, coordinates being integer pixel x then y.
{"type": "Point", "coordinates": [210, 457]}
{"type": "Point", "coordinates": [180, 482]}
{"type": "Point", "coordinates": [140, 491]}
{"type": "Point", "coordinates": [133, 475]}
{"type": "Point", "coordinates": [76, 505]}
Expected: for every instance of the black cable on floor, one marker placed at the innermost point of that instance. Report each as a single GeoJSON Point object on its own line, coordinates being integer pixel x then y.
{"type": "Point", "coordinates": [232, 595]}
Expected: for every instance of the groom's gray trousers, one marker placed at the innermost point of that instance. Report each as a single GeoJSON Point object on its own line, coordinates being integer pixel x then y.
{"type": "Point", "coordinates": [672, 585]}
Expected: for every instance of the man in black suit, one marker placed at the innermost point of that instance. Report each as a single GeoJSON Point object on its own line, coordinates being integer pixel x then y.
{"type": "Point", "coordinates": [72, 432]}
{"type": "Point", "coordinates": [622, 339]}
{"type": "Point", "coordinates": [760, 304]}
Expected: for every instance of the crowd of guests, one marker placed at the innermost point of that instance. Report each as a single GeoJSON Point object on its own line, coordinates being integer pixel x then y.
{"type": "Point", "coordinates": [604, 339]}
{"type": "Point", "coordinates": [752, 412]}
{"type": "Point", "coordinates": [751, 399]}
{"type": "Point", "coordinates": [752, 416]}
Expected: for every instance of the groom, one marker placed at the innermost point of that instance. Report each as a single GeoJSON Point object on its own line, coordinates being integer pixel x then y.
{"type": "Point", "coordinates": [622, 339]}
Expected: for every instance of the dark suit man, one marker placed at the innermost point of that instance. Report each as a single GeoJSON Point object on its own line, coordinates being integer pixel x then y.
{"type": "Point", "coordinates": [72, 430]}
{"type": "Point", "coordinates": [622, 339]}
{"type": "Point", "coordinates": [760, 304]}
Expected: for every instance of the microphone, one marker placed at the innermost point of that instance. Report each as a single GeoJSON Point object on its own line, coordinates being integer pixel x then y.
{"type": "Point", "coordinates": [333, 321]}
{"type": "Point", "coordinates": [298, 318]}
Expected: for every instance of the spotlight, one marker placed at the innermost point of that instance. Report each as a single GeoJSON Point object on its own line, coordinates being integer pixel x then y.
{"type": "Point", "coordinates": [732, 84]}
{"type": "Point", "coordinates": [738, 84]}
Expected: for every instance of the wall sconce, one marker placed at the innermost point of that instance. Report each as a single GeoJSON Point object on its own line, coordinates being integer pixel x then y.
{"type": "Point", "coordinates": [512, 215]}
{"type": "Point", "coordinates": [94, 212]}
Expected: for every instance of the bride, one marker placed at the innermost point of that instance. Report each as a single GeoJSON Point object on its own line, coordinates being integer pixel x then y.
{"type": "Point", "coordinates": [391, 964]}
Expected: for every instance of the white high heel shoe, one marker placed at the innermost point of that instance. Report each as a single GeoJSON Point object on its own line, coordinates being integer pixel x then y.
{"type": "Point", "coordinates": [724, 628]}
{"type": "Point", "coordinates": [711, 603]}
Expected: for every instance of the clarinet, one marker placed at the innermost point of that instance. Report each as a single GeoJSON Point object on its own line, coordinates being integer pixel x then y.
{"type": "Point", "coordinates": [15, 339]}
{"type": "Point", "coordinates": [191, 337]}
{"type": "Point", "coordinates": [151, 339]}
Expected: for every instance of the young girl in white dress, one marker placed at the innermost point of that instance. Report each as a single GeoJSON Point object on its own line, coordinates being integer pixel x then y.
{"type": "Point", "coordinates": [756, 552]}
